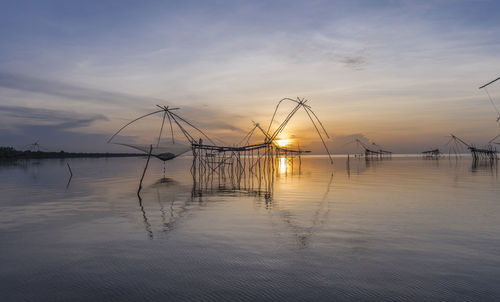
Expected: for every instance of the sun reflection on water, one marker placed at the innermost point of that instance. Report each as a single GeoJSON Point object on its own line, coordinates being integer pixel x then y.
{"type": "Point", "coordinates": [283, 165]}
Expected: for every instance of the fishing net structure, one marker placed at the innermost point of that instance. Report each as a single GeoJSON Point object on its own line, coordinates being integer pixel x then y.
{"type": "Point", "coordinates": [485, 88]}
{"type": "Point", "coordinates": [224, 162]}
{"type": "Point", "coordinates": [496, 138]}
{"type": "Point", "coordinates": [167, 151]}
{"type": "Point", "coordinates": [164, 151]}
{"type": "Point", "coordinates": [487, 152]}
{"type": "Point", "coordinates": [271, 136]}
{"type": "Point", "coordinates": [34, 147]}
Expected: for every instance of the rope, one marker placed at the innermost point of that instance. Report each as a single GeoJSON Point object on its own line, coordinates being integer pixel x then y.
{"type": "Point", "coordinates": [134, 121]}
{"type": "Point", "coordinates": [491, 100]}
{"type": "Point", "coordinates": [171, 129]}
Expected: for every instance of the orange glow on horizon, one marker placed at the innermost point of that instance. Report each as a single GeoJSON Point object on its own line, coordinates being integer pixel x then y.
{"type": "Point", "coordinates": [283, 142]}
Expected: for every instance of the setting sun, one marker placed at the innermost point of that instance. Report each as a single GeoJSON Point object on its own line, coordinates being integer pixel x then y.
{"type": "Point", "coordinates": [283, 142]}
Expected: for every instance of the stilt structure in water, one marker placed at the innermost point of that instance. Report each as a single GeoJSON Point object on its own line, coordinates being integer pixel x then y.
{"type": "Point", "coordinates": [431, 154]}
{"type": "Point", "coordinates": [372, 153]}
{"type": "Point", "coordinates": [232, 165]}
{"type": "Point", "coordinates": [382, 152]}
{"type": "Point", "coordinates": [494, 140]}
{"type": "Point", "coordinates": [34, 147]}
{"type": "Point", "coordinates": [488, 153]}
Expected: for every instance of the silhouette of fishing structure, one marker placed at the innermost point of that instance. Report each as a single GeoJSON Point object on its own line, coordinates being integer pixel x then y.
{"type": "Point", "coordinates": [245, 158]}
{"type": "Point", "coordinates": [381, 151]}
{"type": "Point", "coordinates": [485, 87]}
{"type": "Point", "coordinates": [375, 152]}
{"type": "Point", "coordinates": [431, 154]}
{"type": "Point", "coordinates": [231, 178]}
{"type": "Point", "coordinates": [252, 174]}
{"type": "Point", "coordinates": [488, 153]}
{"type": "Point", "coordinates": [34, 147]}
{"type": "Point", "coordinates": [234, 162]}
{"type": "Point", "coordinates": [454, 146]}
{"type": "Point", "coordinates": [492, 141]}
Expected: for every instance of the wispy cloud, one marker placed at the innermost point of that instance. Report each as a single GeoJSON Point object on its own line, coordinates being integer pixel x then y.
{"type": "Point", "coordinates": [66, 119]}
{"type": "Point", "coordinates": [67, 91]}
{"type": "Point", "coordinates": [209, 117]}
{"type": "Point", "coordinates": [55, 128]}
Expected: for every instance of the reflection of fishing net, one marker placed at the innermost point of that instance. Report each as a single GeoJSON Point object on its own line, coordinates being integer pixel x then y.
{"type": "Point", "coordinates": [164, 151]}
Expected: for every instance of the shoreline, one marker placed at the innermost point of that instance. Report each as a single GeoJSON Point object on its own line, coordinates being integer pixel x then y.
{"type": "Point", "coordinates": [9, 153]}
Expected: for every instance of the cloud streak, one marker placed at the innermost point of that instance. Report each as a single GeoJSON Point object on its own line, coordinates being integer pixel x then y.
{"type": "Point", "coordinates": [56, 129]}
{"type": "Point", "coordinates": [48, 116]}
{"type": "Point", "coordinates": [64, 90]}
{"type": "Point", "coordinates": [17, 115]}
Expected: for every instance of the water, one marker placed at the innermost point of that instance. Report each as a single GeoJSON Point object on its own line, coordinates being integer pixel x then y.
{"type": "Point", "coordinates": [400, 229]}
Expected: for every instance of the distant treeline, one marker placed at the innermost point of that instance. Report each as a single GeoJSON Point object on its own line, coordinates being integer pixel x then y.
{"type": "Point", "coordinates": [11, 153]}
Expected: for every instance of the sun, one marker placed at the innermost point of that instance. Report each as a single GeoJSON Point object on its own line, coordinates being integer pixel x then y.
{"type": "Point", "coordinates": [283, 142]}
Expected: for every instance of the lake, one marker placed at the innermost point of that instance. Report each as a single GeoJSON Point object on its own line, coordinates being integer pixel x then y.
{"type": "Point", "coordinates": [398, 229]}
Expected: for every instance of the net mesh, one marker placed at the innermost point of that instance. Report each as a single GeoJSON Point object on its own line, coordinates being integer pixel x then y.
{"type": "Point", "coordinates": [164, 151]}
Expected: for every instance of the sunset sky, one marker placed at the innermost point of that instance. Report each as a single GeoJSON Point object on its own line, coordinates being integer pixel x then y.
{"type": "Point", "coordinates": [403, 74]}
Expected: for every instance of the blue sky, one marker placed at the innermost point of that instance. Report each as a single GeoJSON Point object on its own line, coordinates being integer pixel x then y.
{"type": "Point", "coordinates": [401, 73]}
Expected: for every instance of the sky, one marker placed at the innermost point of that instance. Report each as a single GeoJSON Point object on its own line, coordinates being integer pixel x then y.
{"type": "Point", "coordinates": [402, 74]}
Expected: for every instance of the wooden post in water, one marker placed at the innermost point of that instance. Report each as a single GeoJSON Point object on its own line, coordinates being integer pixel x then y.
{"type": "Point", "coordinates": [348, 165]}
{"type": "Point", "coordinates": [145, 168]}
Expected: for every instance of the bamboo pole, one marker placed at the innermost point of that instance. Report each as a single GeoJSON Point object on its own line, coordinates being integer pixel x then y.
{"type": "Point", "coordinates": [144, 172]}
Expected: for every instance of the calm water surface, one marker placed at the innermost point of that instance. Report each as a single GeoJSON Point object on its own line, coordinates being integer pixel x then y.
{"type": "Point", "coordinates": [400, 229]}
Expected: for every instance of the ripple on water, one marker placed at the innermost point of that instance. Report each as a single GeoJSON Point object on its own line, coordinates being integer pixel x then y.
{"type": "Point", "coordinates": [402, 229]}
